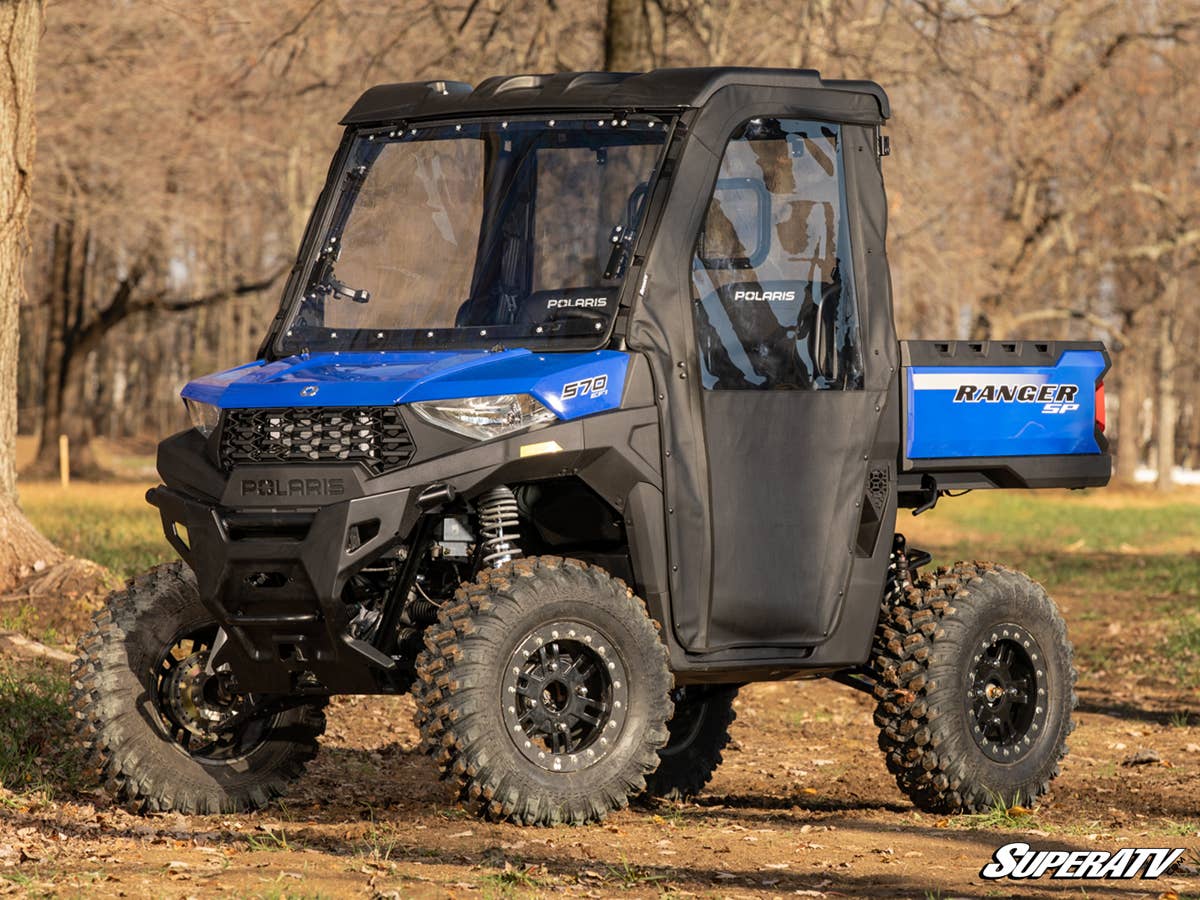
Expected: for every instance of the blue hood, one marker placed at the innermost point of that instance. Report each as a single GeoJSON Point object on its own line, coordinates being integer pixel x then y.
{"type": "Point", "coordinates": [593, 381]}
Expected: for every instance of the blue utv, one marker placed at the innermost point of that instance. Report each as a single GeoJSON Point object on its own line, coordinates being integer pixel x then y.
{"type": "Point", "coordinates": [584, 406]}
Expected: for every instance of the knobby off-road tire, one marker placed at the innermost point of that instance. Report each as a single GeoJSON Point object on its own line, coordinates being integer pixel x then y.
{"type": "Point", "coordinates": [975, 688]}
{"type": "Point", "coordinates": [128, 669]}
{"type": "Point", "coordinates": [699, 731]}
{"type": "Point", "coordinates": [543, 693]}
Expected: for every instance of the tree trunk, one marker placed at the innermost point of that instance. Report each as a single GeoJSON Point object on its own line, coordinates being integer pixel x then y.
{"type": "Point", "coordinates": [1129, 426]}
{"type": "Point", "coordinates": [1192, 442]}
{"type": "Point", "coordinates": [68, 412]}
{"type": "Point", "coordinates": [22, 548]}
{"type": "Point", "coordinates": [1168, 407]}
{"type": "Point", "coordinates": [65, 407]}
{"type": "Point", "coordinates": [634, 35]}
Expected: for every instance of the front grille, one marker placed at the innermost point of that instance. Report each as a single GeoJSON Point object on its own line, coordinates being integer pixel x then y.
{"type": "Point", "coordinates": [372, 435]}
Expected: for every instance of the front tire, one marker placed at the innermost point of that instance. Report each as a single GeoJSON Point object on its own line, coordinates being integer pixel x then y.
{"type": "Point", "coordinates": [150, 727]}
{"type": "Point", "coordinates": [975, 688]}
{"type": "Point", "coordinates": [543, 693]}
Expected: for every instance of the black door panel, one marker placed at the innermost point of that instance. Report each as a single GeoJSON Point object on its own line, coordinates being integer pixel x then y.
{"type": "Point", "coordinates": [767, 427]}
{"type": "Point", "coordinates": [786, 485]}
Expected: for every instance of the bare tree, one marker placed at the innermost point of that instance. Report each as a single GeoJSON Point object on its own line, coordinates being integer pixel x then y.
{"type": "Point", "coordinates": [22, 548]}
{"type": "Point", "coordinates": [1029, 189]}
{"type": "Point", "coordinates": [634, 35]}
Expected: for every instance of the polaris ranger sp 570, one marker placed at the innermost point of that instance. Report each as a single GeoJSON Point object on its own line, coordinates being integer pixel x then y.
{"type": "Point", "coordinates": [584, 405]}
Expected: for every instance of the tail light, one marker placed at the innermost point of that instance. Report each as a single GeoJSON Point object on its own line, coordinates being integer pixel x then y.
{"type": "Point", "coordinates": [1101, 416]}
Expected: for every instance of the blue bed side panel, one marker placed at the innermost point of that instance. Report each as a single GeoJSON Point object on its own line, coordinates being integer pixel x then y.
{"type": "Point", "coordinates": [970, 411]}
{"type": "Point", "coordinates": [570, 384]}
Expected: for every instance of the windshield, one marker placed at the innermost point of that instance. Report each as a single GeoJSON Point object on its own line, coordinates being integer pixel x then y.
{"type": "Point", "coordinates": [511, 233]}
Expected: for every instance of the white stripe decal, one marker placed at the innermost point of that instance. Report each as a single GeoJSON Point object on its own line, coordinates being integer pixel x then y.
{"type": "Point", "coordinates": [950, 381]}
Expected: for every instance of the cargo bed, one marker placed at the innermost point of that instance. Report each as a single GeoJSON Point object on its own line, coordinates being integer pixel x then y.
{"type": "Point", "coordinates": [1001, 414]}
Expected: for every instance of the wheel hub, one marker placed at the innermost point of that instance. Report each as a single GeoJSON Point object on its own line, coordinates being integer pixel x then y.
{"type": "Point", "coordinates": [564, 696]}
{"type": "Point", "coordinates": [197, 700]}
{"type": "Point", "coordinates": [200, 711]}
{"type": "Point", "coordinates": [1006, 698]}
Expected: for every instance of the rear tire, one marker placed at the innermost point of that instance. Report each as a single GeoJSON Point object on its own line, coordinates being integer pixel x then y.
{"type": "Point", "coordinates": [975, 688]}
{"type": "Point", "coordinates": [137, 699]}
{"type": "Point", "coordinates": [543, 693]}
{"type": "Point", "coordinates": [699, 732]}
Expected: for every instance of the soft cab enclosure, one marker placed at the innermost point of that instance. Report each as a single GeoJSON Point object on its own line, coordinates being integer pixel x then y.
{"type": "Point", "coordinates": [1003, 414]}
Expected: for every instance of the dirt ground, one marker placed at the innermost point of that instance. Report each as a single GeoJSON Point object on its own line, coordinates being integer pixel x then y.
{"type": "Point", "coordinates": [802, 806]}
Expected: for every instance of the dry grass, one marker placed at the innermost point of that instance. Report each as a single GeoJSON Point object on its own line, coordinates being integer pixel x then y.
{"type": "Point", "coordinates": [110, 523]}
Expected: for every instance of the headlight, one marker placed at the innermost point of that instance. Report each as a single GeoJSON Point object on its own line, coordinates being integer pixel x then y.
{"type": "Point", "coordinates": [484, 418]}
{"type": "Point", "coordinates": [204, 416]}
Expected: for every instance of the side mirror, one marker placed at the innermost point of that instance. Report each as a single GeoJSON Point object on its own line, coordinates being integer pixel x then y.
{"type": "Point", "coordinates": [737, 227]}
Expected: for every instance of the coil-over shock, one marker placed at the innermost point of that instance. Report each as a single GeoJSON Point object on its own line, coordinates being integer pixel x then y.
{"type": "Point", "coordinates": [499, 526]}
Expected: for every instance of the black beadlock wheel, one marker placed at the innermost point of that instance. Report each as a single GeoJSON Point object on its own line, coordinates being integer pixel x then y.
{"type": "Point", "coordinates": [975, 688]}
{"type": "Point", "coordinates": [543, 693]}
{"type": "Point", "coordinates": [1005, 693]}
{"type": "Point", "coordinates": [699, 733]}
{"type": "Point", "coordinates": [160, 733]}
{"type": "Point", "coordinates": [564, 693]}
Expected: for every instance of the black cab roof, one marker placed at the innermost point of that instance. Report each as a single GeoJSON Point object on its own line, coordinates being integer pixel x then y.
{"type": "Point", "coordinates": [661, 89]}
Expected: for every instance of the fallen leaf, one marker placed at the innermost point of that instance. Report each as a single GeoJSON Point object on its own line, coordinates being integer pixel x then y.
{"type": "Point", "coordinates": [1144, 757]}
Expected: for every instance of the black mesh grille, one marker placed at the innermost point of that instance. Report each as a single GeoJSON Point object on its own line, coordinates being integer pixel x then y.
{"type": "Point", "coordinates": [878, 482]}
{"type": "Point", "coordinates": [372, 435]}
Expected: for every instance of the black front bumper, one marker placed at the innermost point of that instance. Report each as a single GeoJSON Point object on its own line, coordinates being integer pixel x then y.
{"type": "Point", "coordinates": [273, 579]}
{"type": "Point", "coordinates": [274, 545]}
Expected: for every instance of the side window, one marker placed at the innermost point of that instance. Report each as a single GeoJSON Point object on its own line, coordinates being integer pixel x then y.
{"type": "Point", "coordinates": [772, 282]}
